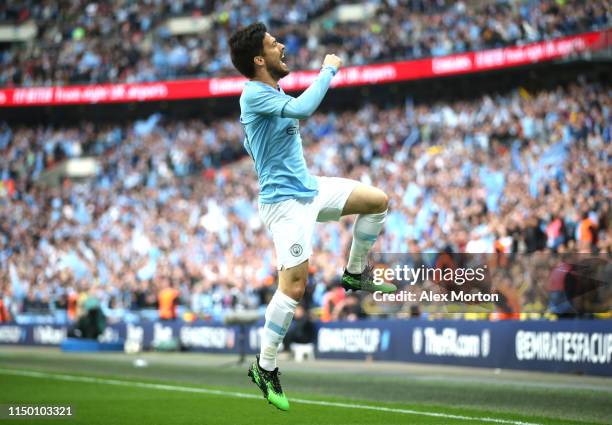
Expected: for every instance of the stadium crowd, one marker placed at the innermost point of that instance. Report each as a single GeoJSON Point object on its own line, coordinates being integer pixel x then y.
{"type": "Point", "coordinates": [81, 41]}
{"type": "Point", "coordinates": [175, 203]}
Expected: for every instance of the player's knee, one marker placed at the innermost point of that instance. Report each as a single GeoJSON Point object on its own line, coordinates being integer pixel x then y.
{"type": "Point", "coordinates": [296, 289]}
{"type": "Point", "coordinates": [382, 202]}
{"type": "Point", "coordinates": [294, 283]}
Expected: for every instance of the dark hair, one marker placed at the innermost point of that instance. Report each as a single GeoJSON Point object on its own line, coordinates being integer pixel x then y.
{"type": "Point", "coordinates": [245, 44]}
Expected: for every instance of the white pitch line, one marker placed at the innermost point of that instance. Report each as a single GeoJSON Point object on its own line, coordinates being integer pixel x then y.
{"type": "Point", "coordinates": [163, 387]}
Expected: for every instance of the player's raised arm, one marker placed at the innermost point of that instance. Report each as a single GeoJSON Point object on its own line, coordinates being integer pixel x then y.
{"type": "Point", "coordinates": [304, 105]}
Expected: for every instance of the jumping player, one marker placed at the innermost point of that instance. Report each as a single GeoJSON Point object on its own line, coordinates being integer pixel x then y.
{"type": "Point", "coordinates": [291, 200]}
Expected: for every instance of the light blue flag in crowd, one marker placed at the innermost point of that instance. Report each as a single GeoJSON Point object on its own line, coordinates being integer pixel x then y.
{"type": "Point", "coordinates": [16, 286]}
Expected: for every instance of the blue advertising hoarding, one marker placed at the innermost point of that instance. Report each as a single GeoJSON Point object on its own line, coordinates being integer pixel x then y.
{"type": "Point", "coordinates": [571, 346]}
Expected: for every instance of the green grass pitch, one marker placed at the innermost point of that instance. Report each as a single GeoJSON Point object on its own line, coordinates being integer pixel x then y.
{"type": "Point", "coordinates": [205, 389]}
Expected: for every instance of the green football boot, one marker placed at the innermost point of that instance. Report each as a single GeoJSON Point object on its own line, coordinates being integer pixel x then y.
{"type": "Point", "coordinates": [270, 386]}
{"type": "Point", "coordinates": [365, 282]}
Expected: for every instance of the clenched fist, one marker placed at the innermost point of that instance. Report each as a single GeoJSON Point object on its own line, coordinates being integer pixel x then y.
{"type": "Point", "coordinates": [332, 60]}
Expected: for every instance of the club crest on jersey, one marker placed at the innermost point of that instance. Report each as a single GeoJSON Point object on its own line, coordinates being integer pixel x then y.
{"type": "Point", "coordinates": [296, 250]}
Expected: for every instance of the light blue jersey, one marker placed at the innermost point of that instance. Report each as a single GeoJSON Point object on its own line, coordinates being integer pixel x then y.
{"type": "Point", "coordinates": [270, 120]}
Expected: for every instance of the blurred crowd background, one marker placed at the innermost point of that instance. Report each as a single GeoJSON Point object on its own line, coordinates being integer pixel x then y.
{"type": "Point", "coordinates": [175, 202]}
{"type": "Point", "coordinates": [82, 41]}
{"type": "Point", "coordinates": [170, 214]}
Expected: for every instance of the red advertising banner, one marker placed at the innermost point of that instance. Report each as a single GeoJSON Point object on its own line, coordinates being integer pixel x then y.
{"type": "Point", "coordinates": [351, 76]}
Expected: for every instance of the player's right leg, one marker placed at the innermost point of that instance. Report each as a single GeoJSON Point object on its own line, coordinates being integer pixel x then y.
{"type": "Point", "coordinates": [264, 372]}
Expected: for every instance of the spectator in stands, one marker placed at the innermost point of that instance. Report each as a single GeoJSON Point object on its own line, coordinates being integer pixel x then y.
{"type": "Point", "coordinates": [168, 299]}
{"type": "Point", "coordinates": [90, 322]}
{"type": "Point", "coordinates": [5, 317]}
{"type": "Point", "coordinates": [349, 308]}
{"type": "Point", "coordinates": [586, 233]}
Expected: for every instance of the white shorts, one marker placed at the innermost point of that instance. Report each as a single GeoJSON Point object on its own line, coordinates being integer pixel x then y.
{"type": "Point", "coordinates": [292, 222]}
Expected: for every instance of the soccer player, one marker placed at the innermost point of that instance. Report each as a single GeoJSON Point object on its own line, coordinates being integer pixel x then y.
{"type": "Point", "coordinates": [291, 200]}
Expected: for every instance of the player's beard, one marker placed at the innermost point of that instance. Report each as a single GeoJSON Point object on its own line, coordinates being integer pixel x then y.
{"type": "Point", "coordinates": [277, 71]}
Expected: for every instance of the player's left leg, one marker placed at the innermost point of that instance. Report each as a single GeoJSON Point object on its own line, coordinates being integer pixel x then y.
{"type": "Point", "coordinates": [366, 200]}
{"type": "Point", "coordinates": [291, 223]}
{"type": "Point", "coordinates": [371, 206]}
{"type": "Point", "coordinates": [279, 314]}
{"type": "Point", "coordinates": [280, 310]}
{"type": "Point", "coordinates": [339, 196]}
